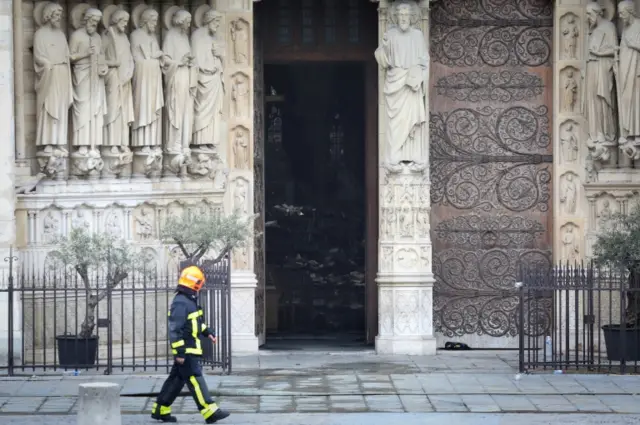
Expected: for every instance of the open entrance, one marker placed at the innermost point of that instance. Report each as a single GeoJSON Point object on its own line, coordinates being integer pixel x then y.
{"type": "Point", "coordinates": [314, 183]}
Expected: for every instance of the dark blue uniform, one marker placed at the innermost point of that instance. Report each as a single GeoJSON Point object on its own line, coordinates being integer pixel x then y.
{"type": "Point", "coordinates": [186, 326]}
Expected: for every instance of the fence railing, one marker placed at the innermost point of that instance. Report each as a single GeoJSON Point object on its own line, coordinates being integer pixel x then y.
{"type": "Point", "coordinates": [44, 314]}
{"type": "Point", "coordinates": [579, 319]}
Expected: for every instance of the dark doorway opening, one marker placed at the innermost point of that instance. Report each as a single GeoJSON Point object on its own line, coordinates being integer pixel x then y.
{"type": "Point", "coordinates": [315, 202]}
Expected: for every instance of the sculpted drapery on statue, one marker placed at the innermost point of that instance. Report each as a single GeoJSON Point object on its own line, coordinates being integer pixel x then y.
{"type": "Point", "coordinates": [208, 51]}
{"type": "Point", "coordinates": [147, 79]}
{"type": "Point", "coordinates": [599, 98]}
{"type": "Point", "coordinates": [629, 80]}
{"type": "Point", "coordinates": [181, 81]}
{"type": "Point", "coordinates": [89, 99]}
{"type": "Point", "coordinates": [117, 53]}
{"type": "Point", "coordinates": [404, 56]}
{"type": "Point", "coordinates": [54, 91]}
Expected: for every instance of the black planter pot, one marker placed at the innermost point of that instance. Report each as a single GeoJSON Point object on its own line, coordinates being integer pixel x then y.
{"type": "Point", "coordinates": [76, 352]}
{"type": "Point", "coordinates": [613, 337]}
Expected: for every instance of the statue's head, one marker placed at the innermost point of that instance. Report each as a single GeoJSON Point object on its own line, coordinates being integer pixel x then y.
{"type": "Point", "coordinates": [595, 12]}
{"type": "Point", "coordinates": [405, 14]}
{"type": "Point", "coordinates": [212, 20]}
{"type": "Point", "coordinates": [182, 19]}
{"type": "Point", "coordinates": [149, 20]}
{"type": "Point", "coordinates": [52, 14]}
{"type": "Point", "coordinates": [91, 19]}
{"type": "Point", "coordinates": [626, 11]}
{"type": "Point", "coordinates": [120, 19]}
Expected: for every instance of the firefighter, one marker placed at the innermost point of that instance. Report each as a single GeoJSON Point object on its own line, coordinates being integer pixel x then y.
{"type": "Point", "coordinates": [186, 325]}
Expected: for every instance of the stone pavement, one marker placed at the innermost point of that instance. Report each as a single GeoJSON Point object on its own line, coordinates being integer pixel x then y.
{"type": "Point", "coordinates": [365, 419]}
{"type": "Point", "coordinates": [469, 382]}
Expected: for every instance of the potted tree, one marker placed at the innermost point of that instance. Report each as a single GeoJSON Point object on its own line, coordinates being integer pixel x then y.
{"type": "Point", "coordinates": [197, 234]}
{"type": "Point", "coordinates": [101, 262]}
{"type": "Point", "coordinates": [618, 247]}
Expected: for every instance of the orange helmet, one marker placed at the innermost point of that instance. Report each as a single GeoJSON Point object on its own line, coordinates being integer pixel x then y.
{"type": "Point", "coordinates": [192, 278]}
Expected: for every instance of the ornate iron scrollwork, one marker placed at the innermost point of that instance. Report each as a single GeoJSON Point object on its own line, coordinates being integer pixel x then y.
{"type": "Point", "coordinates": [491, 161]}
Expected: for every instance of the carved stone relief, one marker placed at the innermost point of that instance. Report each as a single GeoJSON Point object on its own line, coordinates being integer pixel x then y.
{"type": "Point", "coordinates": [569, 192]}
{"type": "Point", "coordinates": [403, 51]}
{"type": "Point", "coordinates": [82, 218]}
{"type": "Point", "coordinates": [113, 223]}
{"type": "Point", "coordinates": [144, 223]}
{"type": "Point", "coordinates": [89, 97]}
{"type": "Point", "coordinates": [629, 91]}
{"type": "Point", "coordinates": [240, 36]}
{"type": "Point", "coordinates": [240, 98]}
{"type": "Point", "coordinates": [570, 234]}
{"type": "Point", "coordinates": [51, 226]}
{"type": "Point", "coordinates": [241, 148]}
{"type": "Point", "coordinates": [569, 148]}
{"type": "Point", "coordinates": [240, 196]}
{"type": "Point", "coordinates": [240, 258]}
{"type": "Point", "coordinates": [150, 264]}
{"type": "Point", "coordinates": [570, 89]}
{"type": "Point", "coordinates": [54, 93]}
{"type": "Point", "coordinates": [570, 35]}
{"type": "Point", "coordinates": [599, 97]}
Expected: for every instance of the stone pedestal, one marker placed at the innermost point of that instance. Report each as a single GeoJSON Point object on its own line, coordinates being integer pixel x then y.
{"type": "Point", "coordinates": [243, 318]}
{"type": "Point", "coordinates": [99, 404]}
{"type": "Point", "coordinates": [405, 280]}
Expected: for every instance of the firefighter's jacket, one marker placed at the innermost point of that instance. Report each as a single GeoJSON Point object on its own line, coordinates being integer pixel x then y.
{"type": "Point", "coordinates": [186, 325]}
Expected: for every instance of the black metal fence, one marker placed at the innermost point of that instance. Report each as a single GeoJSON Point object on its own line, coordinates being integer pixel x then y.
{"type": "Point", "coordinates": [579, 319]}
{"type": "Point", "coordinates": [46, 313]}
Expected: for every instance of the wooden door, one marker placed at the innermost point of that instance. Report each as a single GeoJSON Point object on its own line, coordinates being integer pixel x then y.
{"type": "Point", "coordinates": [491, 161]}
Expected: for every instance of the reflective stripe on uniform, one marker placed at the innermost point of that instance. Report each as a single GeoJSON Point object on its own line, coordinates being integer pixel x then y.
{"type": "Point", "coordinates": [195, 315]}
{"type": "Point", "coordinates": [209, 409]}
{"type": "Point", "coordinates": [164, 410]}
{"type": "Point", "coordinates": [203, 328]}
{"type": "Point", "coordinates": [178, 344]}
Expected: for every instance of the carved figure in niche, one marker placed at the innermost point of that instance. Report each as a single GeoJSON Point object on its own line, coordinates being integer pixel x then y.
{"type": "Point", "coordinates": [240, 197]}
{"type": "Point", "coordinates": [570, 91]}
{"type": "Point", "coordinates": [598, 94]}
{"type": "Point", "coordinates": [54, 91]}
{"type": "Point", "coordinates": [117, 55]}
{"type": "Point", "coordinates": [590, 171]}
{"type": "Point", "coordinates": [80, 221]}
{"type": "Point", "coordinates": [569, 143]}
{"type": "Point", "coordinates": [112, 227]}
{"type": "Point", "coordinates": [240, 97]}
{"type": "Point", "coordinates": [404, 57]}
{"type": "Point", "coordinates": [605, 215]}
{"type": "Point", "coordinates": [144, 225]}
{"type": "Point", "coordinates": [569, 194]}
{"type": "Point", "coordinates": [147, 80]}
{"type": "Point", "coordinates": [570, 35]}
{"type": "Point", "coordinates": [570, 248]}
{"type": "Point", "coordinates": [181, 80]}
{"type": "Point", "coordinates": [240, 36]}
{"type": "Point", "coordinates": [241, 149]}
{"type": "Point", "coordinates": [629, 80]}
{"type": "Point", "coordinates": [50, 229]}
{"type": "Point", "coordinates": [89, 98]}
{"type": "Point", "coordinates": [208, 50]}
{"type": "Point", "coordinates": [406, 222]}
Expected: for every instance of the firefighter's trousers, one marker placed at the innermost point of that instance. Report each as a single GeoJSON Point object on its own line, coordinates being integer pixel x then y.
{"type": "Point", "coordinates": [190, 373]}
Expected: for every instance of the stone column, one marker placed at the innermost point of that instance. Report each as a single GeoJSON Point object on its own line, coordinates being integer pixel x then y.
{"type": "Point", "coordinates": [238, 27]}
{"type": "Point", "coordinates": [7, 165]}
{"type": "Point", "coordinates": [405, 280]}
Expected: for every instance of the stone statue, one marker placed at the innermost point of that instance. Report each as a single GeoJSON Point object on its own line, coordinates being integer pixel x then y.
{"type": "Point", "coordinates": [570, 35]}
{"type": "Point", "coordinates": [569, 194]}
{"type": "Point", "coordinates": [148, 101]}
{"type": "Point", "coordinates": [240, 197]}
{"type": "Point", "coordinates": [570, 92]}
{"type": "Point", "coordinates": [181, 79]}
{"type": "Point", "coordinates": [240, 37]}
{"type": "Point", "coordinates": [241, 149]}
{"type": "Point", "coordinates": [89, 99]}
{"type": "Point", "coordinates": [119, 114]}
{"type": "Point", "coordinates": [240, 97]}
{"type": "Point", "coordinates": [570, 249]}
{"type": "Point", "coordinates": [569, 143]}
{"type": "Point", "coordinates": [629, 81]}
{"type": "Point", "coordinates": [599, 97]}
{"type": "Point", "coordinates": [54, 92]}
{"type": "Point", "coordinates": [605, 215]}
{"type": "Point", "coordinates": [404, 57]}
{"type": "Point", "coordinates": [208, 50]}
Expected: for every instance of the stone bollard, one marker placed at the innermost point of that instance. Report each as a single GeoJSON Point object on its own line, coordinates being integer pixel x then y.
{"type": "Point", "coordinates": [99, 404]}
